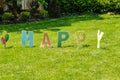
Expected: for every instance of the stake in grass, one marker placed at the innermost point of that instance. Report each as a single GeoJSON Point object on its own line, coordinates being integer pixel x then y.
{"type": "Point", "coordinates": [99, 37]}
{"type": "Point", "coordinates": [61, 38]}
{"type": "Point", "coordinates": [80, 38]}
{"type": "Point", "coordinates": [46, 41]}
{"type": "Point", "coordinates": [29, 38]}
{"type": "Point", "coordinates": [4, 38]}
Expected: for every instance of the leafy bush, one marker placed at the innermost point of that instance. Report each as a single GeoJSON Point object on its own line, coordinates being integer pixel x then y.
{"type": "Point", "coordinates": [7, 16]}
{"type": "Point", "coordinates": [96, 6]}
{"type": "Point", "coordinates": [44, 3]}
{"type": "Point", "coordinates": [34, 7]}
{"type": "Point", "coordinates": [43, 13]}
{"type": "Point", "coordinates": [24, 15]}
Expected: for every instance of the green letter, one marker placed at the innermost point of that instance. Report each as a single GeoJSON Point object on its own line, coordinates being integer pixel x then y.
{"type": "Point", "coordinates": [60, 38]}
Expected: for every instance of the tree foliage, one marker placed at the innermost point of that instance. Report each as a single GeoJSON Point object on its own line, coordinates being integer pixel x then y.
{"type": "Point", "coordinates": [96, 6]}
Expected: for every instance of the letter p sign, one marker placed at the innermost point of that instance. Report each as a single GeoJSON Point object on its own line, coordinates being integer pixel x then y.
{"type": "Point", "coordinates": [61, 38]}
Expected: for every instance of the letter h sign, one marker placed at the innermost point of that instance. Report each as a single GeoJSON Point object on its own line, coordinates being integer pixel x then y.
{"type": "Point", "coordinates": [29, 38]}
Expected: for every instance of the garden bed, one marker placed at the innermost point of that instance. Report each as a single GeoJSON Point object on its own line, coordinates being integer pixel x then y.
{"type": "Point", "coordinates": [20, 21]}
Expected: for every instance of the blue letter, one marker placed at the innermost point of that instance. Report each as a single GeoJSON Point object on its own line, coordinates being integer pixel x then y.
{"type": "Point", "coordinates": [30, 38]}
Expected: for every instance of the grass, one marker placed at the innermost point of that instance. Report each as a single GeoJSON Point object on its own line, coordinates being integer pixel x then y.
{"type": "Point", "coordinates": [68, 62]}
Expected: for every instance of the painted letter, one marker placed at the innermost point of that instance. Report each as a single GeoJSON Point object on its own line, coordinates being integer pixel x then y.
{"type": "Point", "coordinates": [99, 37]}
{"type": "Point", "coordinates": [45, 41]}
{"type": "Point", "coordinates": [80, 38]}
{"type": "Point", "coordinates": [60, 38]}
{"type": "Point", "coordinates": [29, 39]}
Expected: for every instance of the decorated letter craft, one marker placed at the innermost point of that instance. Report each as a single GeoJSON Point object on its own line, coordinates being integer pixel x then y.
{"type": "Point", "coordinates": [45, 41]}
{"type": "Point", "coordinates": [62, 36]}
{"type": "Point", "coordinates": [30, 38]}
{"type": "Point", "coordinates": [99, 37]}
{"type": "Point", "coordinates": [4, 38]}
{"type": "Point", "coordinates": [80, 38]}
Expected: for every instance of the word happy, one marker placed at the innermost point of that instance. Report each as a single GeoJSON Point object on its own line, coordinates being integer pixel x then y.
{"type": "Point", "coordinates": [80, 36]}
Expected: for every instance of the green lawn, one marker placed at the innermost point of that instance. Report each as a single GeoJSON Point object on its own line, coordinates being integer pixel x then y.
{"type": "Point", "coordinates": [68, 62]}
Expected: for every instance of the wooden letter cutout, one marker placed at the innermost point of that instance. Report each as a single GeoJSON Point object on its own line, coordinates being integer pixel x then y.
{"type": "Point", "coordinates": [99, 37]}
{"type": "Point", "coordinates": [45, 41]}
{"type": "Point", "coordinates": [80, 38]}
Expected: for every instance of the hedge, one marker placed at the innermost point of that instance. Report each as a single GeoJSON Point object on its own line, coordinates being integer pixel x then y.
{"type": "Point", "coordinates": [95, 6]}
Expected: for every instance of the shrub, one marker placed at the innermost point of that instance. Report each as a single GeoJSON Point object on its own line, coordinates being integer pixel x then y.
{"type": "Point", "coordinates": [43, 13]}
{"type": "Point", "coordinates": [24, 15]}
{"type": "Point", "coordinates": [7, 16]}
{"type": "Point", "coordinates": [53, 8]}
{"type": "Point", "coordinates": [34, 7]}
{"type": "Point", "coordinates": [96, 6]}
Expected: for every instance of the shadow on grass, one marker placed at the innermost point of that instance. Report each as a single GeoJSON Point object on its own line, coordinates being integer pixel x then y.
{"type": "Point", "coordinates": [69, 46]}
{"type": "Point", "coordinates": [52, 24]}
{"type": "Point", "coordinates": [9, 47]}
{"type": "Point", "coordinates": [103, 48]}
{"type": "Point", "coordinates": [86, 45]}
{"type": "Point", "coordinates": [29, 47]}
